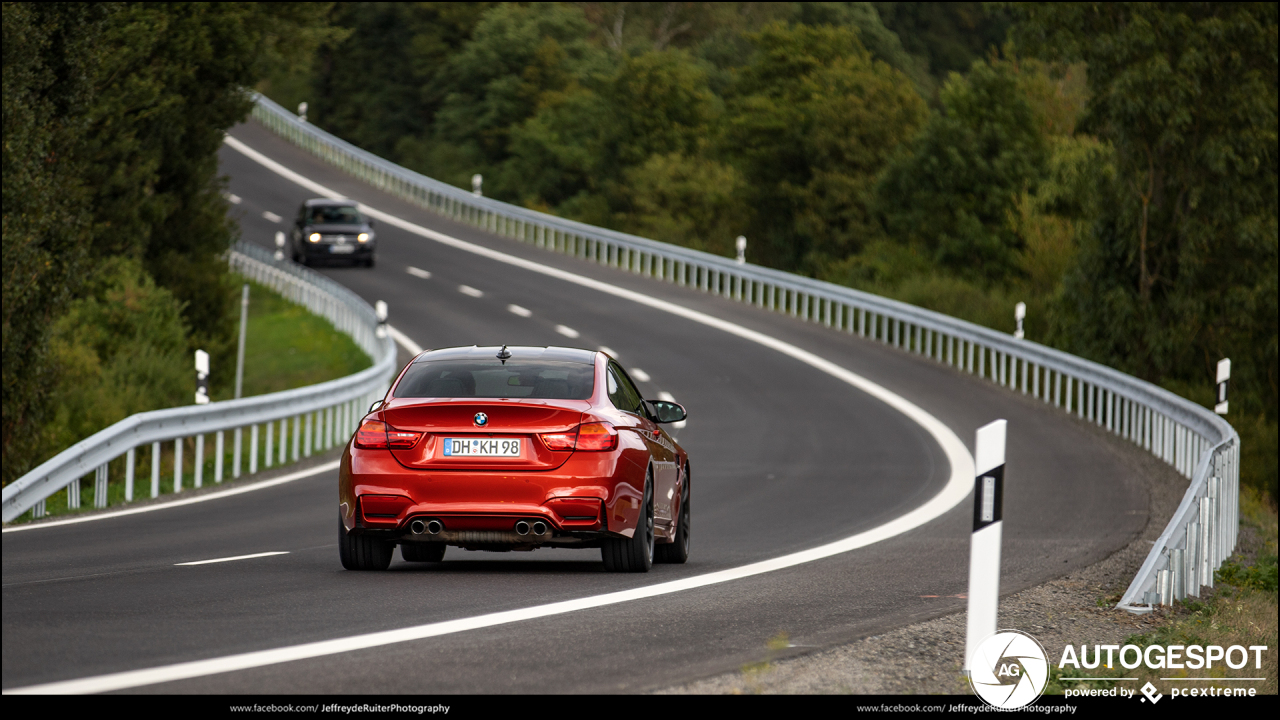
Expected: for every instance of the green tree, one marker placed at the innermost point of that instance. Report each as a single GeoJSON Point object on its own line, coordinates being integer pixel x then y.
{"type": "Point", "coordinates": [812, 120]}
{"type": "Point", "coordinates": [1179, 269]}
{"type": "Point", "coordinates": [574, 154]}
{"type": "Point", "coordinates": [953, 192]}
{"type": "Point", "coordinates": [496, 81]}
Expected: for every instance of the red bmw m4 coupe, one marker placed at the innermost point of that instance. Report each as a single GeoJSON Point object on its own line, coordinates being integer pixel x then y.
{"type": "Point", "coordinates": [514, 448]}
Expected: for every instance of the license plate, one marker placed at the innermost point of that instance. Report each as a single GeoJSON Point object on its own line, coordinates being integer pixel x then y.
{"type": "Point", "coordinates": [342, 249]}
{"type": "Point", "coordinates": [478, 447]}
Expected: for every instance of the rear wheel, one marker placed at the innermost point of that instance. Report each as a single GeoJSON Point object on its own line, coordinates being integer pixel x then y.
{"type": "Point", "coordinates": [361, 552]}
{"type": "Point", "coordinates": [422, 552]}
{"type": "Point", "coordinates": [633, 554]}
{"type": "Point", "coordinates": [677, 552]}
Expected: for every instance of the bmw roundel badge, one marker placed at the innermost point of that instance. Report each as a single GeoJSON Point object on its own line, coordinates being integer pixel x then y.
{"type": "Point", "coordinates": [482, 419]}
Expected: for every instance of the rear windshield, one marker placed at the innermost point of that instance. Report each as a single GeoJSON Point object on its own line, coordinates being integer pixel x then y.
{"type": "Point", "coordinates": [491, 379]}
{"type": "Point", "coordinates": [334, 215]}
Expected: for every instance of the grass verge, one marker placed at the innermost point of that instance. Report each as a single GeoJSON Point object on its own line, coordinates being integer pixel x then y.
{"type": "Point", "coordinates": [286, 347]}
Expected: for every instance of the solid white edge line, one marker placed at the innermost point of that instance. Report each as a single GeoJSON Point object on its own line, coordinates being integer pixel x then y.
{"type": "Point", "coordinates": [331, 465]}
{"type": "Point", "coordinates": [236, 557]}
{"type": "Point", "coordinates": [412, 347]}
{"type": "Point", "coordinates": [955, 491]}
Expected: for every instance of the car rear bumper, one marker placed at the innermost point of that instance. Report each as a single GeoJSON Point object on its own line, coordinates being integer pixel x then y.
{"type": "Point", "coordinates": [587, 495]}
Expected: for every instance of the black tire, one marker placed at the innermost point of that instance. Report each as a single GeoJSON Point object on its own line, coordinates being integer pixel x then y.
{"type": "Point", "coordinates": [361, 552]}
{"type": "Point", "coordinates": [370, 261]}
{"type": "Point", "coordinates": [633, 554]}
{"type": "Point", "coordinates": [678, 552]}
{"type": "Point", "coordinates": [422, 552]}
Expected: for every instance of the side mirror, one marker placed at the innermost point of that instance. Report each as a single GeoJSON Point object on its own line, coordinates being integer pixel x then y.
{"type": "Point", "coordinates": [667, 412]}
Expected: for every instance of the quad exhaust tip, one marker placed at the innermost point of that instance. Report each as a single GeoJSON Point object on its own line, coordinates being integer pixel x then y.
{"type": "Point", "coordinates": [522, 528]}
{"type": "Point", "coordinates": [430, 527]}
{"type": "Point", "coordinates": [539, 527]}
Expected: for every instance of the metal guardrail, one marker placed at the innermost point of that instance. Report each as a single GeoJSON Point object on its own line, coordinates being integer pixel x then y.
{"type": "Point", "coordinates": [314, 417]}
{"type": "Point", "coordinates": [1198, 443]}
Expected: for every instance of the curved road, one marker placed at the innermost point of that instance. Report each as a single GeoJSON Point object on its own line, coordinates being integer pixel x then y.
{"type": "Point", "coordinates": [784, 458]}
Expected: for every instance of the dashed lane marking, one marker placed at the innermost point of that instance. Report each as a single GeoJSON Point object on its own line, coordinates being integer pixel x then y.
{"type": "Point", "coordinates": [235, 557]}
{"type": "Point", "coordinates": [418, 272]}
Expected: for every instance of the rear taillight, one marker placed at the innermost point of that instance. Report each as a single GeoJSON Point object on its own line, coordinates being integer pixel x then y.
{"type": "Point", "coordinates": [597, 436]}
{"type": "Point", "coordinates": [377, 435]}
{"type": "Point", "coordinates": [589, 437]}
{"type": "Point", "coordinates": [561, 441]}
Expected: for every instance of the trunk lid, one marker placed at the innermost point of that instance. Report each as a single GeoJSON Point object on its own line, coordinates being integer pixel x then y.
{"type": "Point", "coordinates": [454, 421]}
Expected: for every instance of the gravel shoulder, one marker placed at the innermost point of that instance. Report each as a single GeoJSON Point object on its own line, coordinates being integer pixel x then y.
{"type": "Point", "coordinates": [925, 658]}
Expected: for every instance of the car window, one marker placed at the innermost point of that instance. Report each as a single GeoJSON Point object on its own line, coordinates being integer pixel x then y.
{"type": "Point", "coordinates": [622, 393]}
{"type": "Point", "coordinates": [551, 380]}
{"type": "Point", "coordinates": [335, 215]}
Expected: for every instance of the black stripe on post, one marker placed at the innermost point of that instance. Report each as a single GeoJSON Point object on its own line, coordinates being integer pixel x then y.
{"type": "Point", "coordinates": [988, 498]}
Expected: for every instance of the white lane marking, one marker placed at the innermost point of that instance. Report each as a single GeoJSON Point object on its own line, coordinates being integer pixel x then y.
{"type": "Point", "coordinates": [955, 491]}
{"type": "Point", "coordinates": [609, 352]}
{"type": "Point", "coordinates": [640, 375]}
{"type": "Point", "coordinates": [522, 312]}
{"type": "Point", "coordinates": [567, 331]}
{"type": "Point", "coordinates": [664, 395]}
{"type": "Point", "coordinates": [468, 290]}
{"type": "Point", "coordinates": [237, 557]}
{"type": "Point", "coordinates": [418, 272]}
{"type": "Point", "coordinates": [186, 501]}
{"type": "Point", "coordinates": [233, 198]}
{"type": "Point", "coordinates": [409, 345]}
{"type": "Point", "coordinates": [271, 217]}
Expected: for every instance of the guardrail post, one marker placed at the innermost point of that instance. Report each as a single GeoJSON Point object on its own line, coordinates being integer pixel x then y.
{"type": "Point", "coordinates": [306, 435]}
{"type": "Point", "coordinates": [177, 465]}
{"type": "Point", "coordinates": [267, 455]}
{"type": "Point", "coordinates": [284, 441]}
{"type": "Point", "coordinates": [219, 451]}
{"type": "Point", "coordinates": [236, 443]}
{"type": "Point", "coordinates": [155, 469]}
{"type": "Point", "coordinates": [100, 486]}
{"type": "Point", "coordinates": [128, 475]}
{"type": "Point", "coordinates": [297, 437]}
{"type": "Point", "coordinates": [73, 494]}
{"type": "Point", "coordinates": [253, 448]}
{"type": "Point", "coordinates": [199, 464]}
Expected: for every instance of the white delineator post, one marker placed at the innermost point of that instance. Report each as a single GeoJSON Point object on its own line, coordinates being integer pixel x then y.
{"type": "Point", "coordinates": [279, 246]}
{"type": "Point", "coordinates": [380, 308]}
{"type": "Point", "coordinates": [741, 245]}
{"type": "Point", "coordinates": [1224, 379]}
{"type": "Point", "coordinates": [984, 552]}
{"type": "Point", "coordinates": [1019, 314]}
{"type": "Point", "coordinates": [202, 377]}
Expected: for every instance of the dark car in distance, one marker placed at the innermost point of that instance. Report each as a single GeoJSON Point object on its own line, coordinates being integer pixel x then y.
{"type": "Point", "coordinates": [327, 230]}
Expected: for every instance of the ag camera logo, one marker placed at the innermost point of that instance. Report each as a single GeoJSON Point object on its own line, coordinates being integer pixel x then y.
{"type": "Point", "coordinates": [1009, 670]}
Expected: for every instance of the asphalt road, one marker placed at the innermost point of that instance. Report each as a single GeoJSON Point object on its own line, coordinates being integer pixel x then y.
{"type": "Point", "coordinates": [784, 458]}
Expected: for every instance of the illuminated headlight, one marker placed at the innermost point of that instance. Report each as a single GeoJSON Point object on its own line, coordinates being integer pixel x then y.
{"type": "Point", "coordinates": [363, 237]}
{"type": "Point", "coordinates": [314, 237]}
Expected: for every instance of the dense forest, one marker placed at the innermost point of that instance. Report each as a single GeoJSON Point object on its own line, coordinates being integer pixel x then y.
{"type": "Point", "coordinates": [114, 221]}
{"type": "Point", "coordinates": [1113, 166]}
